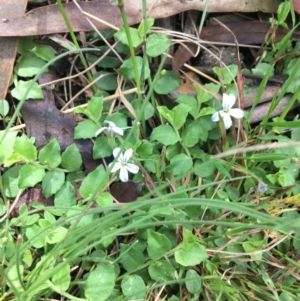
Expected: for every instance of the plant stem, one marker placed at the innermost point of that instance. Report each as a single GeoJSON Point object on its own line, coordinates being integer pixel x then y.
{"type": "Point", "coordinates": [131, 49]}
{"type": "Point", "coordinates": [74, 39]}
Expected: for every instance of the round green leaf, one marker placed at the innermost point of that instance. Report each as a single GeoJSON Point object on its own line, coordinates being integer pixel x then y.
{"type": "Point", "coordinates": [127, 70]}
{"type": "Point", "coordinates": [134, 34]}
{"type": "Point", "coordinates": [4, 107]}
{"type": "Point", "coordinates": [168, 82]}
{"type": "Point", "coordinates": [29, 65]}
{"type": "Point", "coordinates": [180, 165]}
{"type": "Point", "coordinates": [57, 235]}
{"type": "Point", "coordinates": [10, 181]}
{"type": "Point", "coordinates": [44, 52]}
{"type": "Point", "coordinates": [102, 148]}
{"type": "Point", "coordinates": [193, 282]}
{"type": "Point", "coordinates": [24, 146]}
{"type": "Point", "coordinates": [164, 134]}
{"type": "Point", "coordinates": [161, 271]}
{"type": "Point", "coordinates": [157, 43]}
{"type": "Point", "coordinates": [100, 283]}
{"type": "Point", "coordinates": [30, 175]}
{"type": "Point", "coordinates": [50, 154]}
{"type": "Point", "coordinates": [28, 88]}
{"type": "Point", "coordinates": [107, 82]}
{"type": "Point", "coordinates": [62, 278]}
{"type": "Point", "coordinates": [52, 182]}
{"type": "Point", "coordinates": [85, 129]}
{"type": "Point", "coordinates": [133, 287]}
{"type": "Point", "coordinates": [71, 158]}
{"type": "Point", "coordinates": [158, 244]}
{"type": "Point", "coordinates": [94, 182]}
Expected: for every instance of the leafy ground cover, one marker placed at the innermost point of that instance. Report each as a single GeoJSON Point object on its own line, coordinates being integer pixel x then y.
{"type": "Point", "coordinates": [132, 181]}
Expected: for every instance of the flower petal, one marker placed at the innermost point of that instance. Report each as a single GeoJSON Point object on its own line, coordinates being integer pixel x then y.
{"type": "Point", "coordinates": [236, 113]}
{"type": "Point", "coordinates": [116, 152]}
{"type": "Point", "coordinates": [128, 154]}
{"type": "Point", "coordinates": [132, 168]}
{"type": "Point", "coordinates": [117, 130]}
{"type": "Point", "coordinates": [123, 174]}
{"type": "Point", "coordinates": [100, 131]}
{"type": "Point", "coordinates": [215, 117]}
{"type": "Point", "coordinates": [227, 121]}
{"type": "Point", "coordinates": [228, 101]}
{"type": "Point", "coordinates": [115, 166]}
{"type": "Point", "coordinates": [110, 123]}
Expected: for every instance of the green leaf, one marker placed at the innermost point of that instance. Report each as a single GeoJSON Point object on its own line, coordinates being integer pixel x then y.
{"type": "Point", "coordinates": [35, 236]}
{"type": "Point", "coordinates": [94, 108]}
{"type": "Point", "coordinates": [193, 132]}
{"type": "Point", "coordinates": [226, 75]}
{"type": "Point", "coordinates": [202, 95]}
{"type": "Point", "coordinates": [105, 199]}
{"type": "Point", "coordinates": [166, 113]}
{"type": "Point", "coordinates": [148, 110]}
{"type": "Point", "coordinates": [15, 274]}
{"type": "Point", "coordinates": [107, 82]}
{"type": "Point", "coordinates": [57, 235]}
{"type": "Point", "coordinates": [100, 282]}
{"type": "Point", "coordinates": [164, 134]}
{"type": "Point", "coordinates": [27, 89]}
{"type": "Point", "coordinates": [134, 34]}
{"type": "Point", "coordinates": [102, 148]}
{"type": "Point", "coordinates": [44, 52]}
{"type": "Point", "coordinates": [204, 169]}
{"type": "Point", "coordinates": [161, 271]}
{"type": "Point", "coordinates": [29, 65]}
{"type": "Point", "coordinates": [4, 107]}
{"type": "Point", "coordinates": [180, 114]}
{"type": "Point", "coordinates": [94, 183]}
{"type": "Point", "coordinates": [10, 181]}
{"type": "Point", "coordinates": [85, 129]}
{"type": "Point", "coordinates": [145, 26]}
{"type": "Point", "coordinates": [127, 70]}
{"type": "Point", "coordinates": [24, 146]}
{"type": "Point", "coordinates": [133, 287]}
{"type": "Point", "coordinates": [7, 145]}
{"type": "Point", "coordinates": [30, 175]}
{"type": "Point", "coordinates": [64, 199]}
{"type": "Point", "coordinates": [25, 44]}
{"type": "Point", "coordinates": [189, 252]}
{"type": "Point", "coordinates": [52, 182]}
{"type": "Point", "coordinates": [62, 278]}
{"type": "Point", "coordinates": [283, 11]}
{"type": "Point", "coordinates": [71, 158]}
{"type": "Point", "coordinates": [180, 165]}
{"type": "Point", "coordinates": [189, 101]}
{"type": "Point", "coordinates": [167, 83]}
{"type": "Point", "coordinates": [193, 282]}
{"type": "Point", "coordinates": [50, 154]}
{"type": "Point", "coordinates": [262, 69]}
{"type": "Point", "coordinates": [132, 257]}
{"type": "Point", "coordinates": [157, 43]}
{"type": "Point", "coordinates": [158, 244]}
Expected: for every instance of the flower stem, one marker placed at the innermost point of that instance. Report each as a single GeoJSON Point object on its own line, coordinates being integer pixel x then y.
{"type": "Point", "coordinates": [131, 49]}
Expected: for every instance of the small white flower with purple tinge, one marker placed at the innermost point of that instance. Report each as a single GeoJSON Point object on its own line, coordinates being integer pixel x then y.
{"type": "Point", "coordinates": [111, 129]}
{"type": "Point", "coordinates": [122, 164]}
{"type": "Point", "coordinates": [262, 188]}
{"type": "Point", "coordinates": [227, 112]}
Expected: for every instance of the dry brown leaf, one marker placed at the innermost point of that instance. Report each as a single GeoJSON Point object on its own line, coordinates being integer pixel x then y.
{"type": "Point", "coordinates": [8, 45]}
{"type": "Point", "coordinates": [48, 19]}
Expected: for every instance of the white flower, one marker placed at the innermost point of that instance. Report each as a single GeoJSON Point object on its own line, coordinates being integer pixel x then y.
{"type": "Point", "coordinates": [227, 112]}
{"type": "Point", "coordinates": [122, 163]}
{"type": "Point", "coordinates": [111, 129]}
{"type": "Point", "coordinates": [262, 188]}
